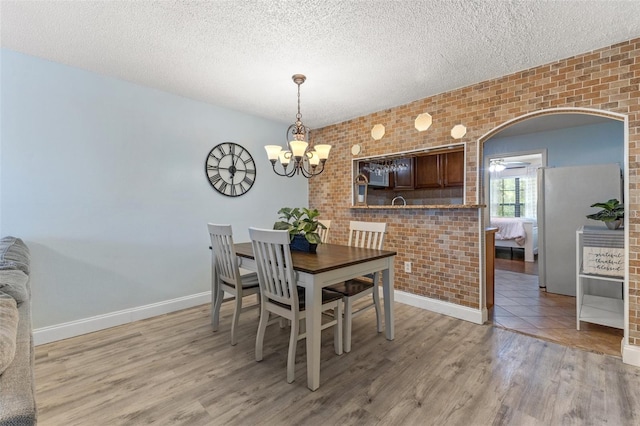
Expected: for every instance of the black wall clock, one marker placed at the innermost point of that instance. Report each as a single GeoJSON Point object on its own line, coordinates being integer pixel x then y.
{"type": "Point", "coordinates": [230, 169]}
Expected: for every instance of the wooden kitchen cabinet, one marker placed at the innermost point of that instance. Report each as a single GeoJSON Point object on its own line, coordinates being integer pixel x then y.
{"type": "Point", "coordinates": [404, 179]}
{"type": "Point", "coordinates": [453, 170]}
{"type": "Point", "coordinates": [441, 170]}
{"type": "Point", "coordinates": [428, 171]}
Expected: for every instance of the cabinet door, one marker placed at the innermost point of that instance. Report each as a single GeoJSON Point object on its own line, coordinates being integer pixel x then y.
{"type": "Point", "coordinates": [404, 179]}
{"type": "Point", "coordinates": [428, 171]}
{"type": "Point", "coordinates": [453, 168]}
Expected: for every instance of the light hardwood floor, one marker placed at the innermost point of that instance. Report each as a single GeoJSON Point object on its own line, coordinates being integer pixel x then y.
{"type": "Point", "coordinates": [173, 370]}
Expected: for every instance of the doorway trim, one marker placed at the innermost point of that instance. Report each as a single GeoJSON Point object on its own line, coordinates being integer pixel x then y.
{"type": "Point", "coordinates": [630, 354]}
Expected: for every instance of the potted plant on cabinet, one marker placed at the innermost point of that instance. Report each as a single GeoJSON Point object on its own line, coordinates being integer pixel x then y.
{"type": "Point", "coordinates": [612, 213]}
{"type": "Point", "coordinates": [302, 225]}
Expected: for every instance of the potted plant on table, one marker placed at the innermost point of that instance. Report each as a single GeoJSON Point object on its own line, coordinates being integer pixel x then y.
{"type": "Point", "coordinates": [612, 213]}
{"type": "Point", "coordinates": [302, 225]}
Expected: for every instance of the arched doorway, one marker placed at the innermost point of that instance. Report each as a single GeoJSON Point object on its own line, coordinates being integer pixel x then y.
{"type": "Point", "coordinates": [556, 121]}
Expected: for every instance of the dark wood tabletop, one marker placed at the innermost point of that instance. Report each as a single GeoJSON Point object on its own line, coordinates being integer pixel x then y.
{"type": "Point", "coordinates": [327, 258]}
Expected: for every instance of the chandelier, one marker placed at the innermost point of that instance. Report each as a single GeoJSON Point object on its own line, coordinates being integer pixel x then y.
{"type": "Point", "coordinates": [299, 158]}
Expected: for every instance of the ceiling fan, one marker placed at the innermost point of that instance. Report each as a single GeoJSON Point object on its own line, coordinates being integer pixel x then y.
{"type": "Point", "coordinates": [516, 164]}
{"type": "Point", "coordinates": [499, 165]}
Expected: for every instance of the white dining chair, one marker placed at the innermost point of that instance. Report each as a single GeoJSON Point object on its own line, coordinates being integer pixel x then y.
{"type": "Point", "coordinates": [324, 232]}
{"type": "Point", "coordinates": [365, 235]}
{"type": "Point", "coordinates": [233, 279]}
{"type": "Point", "coordinates": [281, 296]}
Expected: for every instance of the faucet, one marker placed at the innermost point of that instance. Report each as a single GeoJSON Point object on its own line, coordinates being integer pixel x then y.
{"type": "Point", "coordinates": [399, 197]}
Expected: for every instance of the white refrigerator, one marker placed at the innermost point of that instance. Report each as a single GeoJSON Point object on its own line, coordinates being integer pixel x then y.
{"type": "Point", "coordinates": [565, 195]}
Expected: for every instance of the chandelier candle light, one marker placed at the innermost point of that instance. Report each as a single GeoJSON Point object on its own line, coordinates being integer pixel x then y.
{"type": "Point", "coordinates": [304, 159]}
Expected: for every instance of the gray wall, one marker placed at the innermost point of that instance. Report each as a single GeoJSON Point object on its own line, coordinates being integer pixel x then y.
{"type": "Point", "coordinates": [105, 182]}
{"type": "Point", "coordinates": [593, 144]}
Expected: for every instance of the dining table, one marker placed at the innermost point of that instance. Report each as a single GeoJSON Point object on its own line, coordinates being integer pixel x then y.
{"type": "Point", "coordinates": [331, 264]}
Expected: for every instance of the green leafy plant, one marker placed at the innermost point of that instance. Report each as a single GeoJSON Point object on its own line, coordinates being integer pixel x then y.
{"type": "Point", "coordinates": [300, 221]}
{"type": "Point", "coordinates": [611, 211]}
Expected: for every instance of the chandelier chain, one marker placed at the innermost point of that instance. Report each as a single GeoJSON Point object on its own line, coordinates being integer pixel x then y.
{"type": "Point", "coordinates": [299, 115]}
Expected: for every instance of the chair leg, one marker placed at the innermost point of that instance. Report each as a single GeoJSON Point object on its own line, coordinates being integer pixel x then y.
{"type": "Point", "coordinates": [217, 304]}
{"type": "Point", "coordinates": [262, 327]}
{"type": "Point", "coordinates": [376, 303]}
{"type": "Point", "coordinates": [236, 318]}
{"type": "Point", "coordinates": [348, 312]}
{"type": "Point", "coordinates": [293, 342]}
{"type": "Point", "coordinates": [337, 331]}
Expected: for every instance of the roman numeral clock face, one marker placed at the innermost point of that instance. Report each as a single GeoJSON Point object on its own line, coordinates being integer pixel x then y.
{"type": "Point", "coordinates": [230, 169]}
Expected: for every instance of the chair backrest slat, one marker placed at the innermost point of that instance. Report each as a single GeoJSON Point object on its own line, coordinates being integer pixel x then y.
{"type": "Point", "coordinates": [324, 232]}
{"type": "Point", "coordinates": [275, 267]}
{"type": "Point", "coordinates": [224, 253]}
{"type": "Point", "coordinates": [367, 234]}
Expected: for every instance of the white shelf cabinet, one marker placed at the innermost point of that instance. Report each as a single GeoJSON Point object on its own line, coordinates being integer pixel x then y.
{"type": "Point", "coordinates": [596, 309]}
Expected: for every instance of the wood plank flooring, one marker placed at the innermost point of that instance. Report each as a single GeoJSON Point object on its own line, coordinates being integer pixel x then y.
{"type": "Point", "coordinates": [173, 370]}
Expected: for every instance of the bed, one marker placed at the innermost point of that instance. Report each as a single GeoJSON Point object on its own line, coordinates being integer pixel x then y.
{"type": "Point", "coordinates": [517, 232]}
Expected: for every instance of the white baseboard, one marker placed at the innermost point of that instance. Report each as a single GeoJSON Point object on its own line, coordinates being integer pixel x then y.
{"type": "Point", "coordinates": [100, 322]}
{"type": "Point", "coordinates": [451, 309]}
{"type": "Point", "coordinates": [630, 354]}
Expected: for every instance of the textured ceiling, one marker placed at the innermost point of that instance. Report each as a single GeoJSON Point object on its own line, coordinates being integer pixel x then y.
{"type": "Point", "coordinates": [359, 56]}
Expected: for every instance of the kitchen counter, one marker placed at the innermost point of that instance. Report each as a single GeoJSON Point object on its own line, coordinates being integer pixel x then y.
{"type": "Point", "coordinates": [421, 206]}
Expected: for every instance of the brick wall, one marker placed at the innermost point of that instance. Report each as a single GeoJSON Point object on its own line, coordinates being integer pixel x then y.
{"type": "Point", "coordinates": [444, 245]}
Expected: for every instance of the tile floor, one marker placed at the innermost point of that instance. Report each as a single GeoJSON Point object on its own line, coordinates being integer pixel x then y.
{"type": "Point", "coordinates": [520, 305]}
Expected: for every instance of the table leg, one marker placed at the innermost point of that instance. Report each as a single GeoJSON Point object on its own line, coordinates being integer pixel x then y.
{"type": "Point", "coordinates": [387, 291]}
{"type": "Point", "coordinates": [313, 295]}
